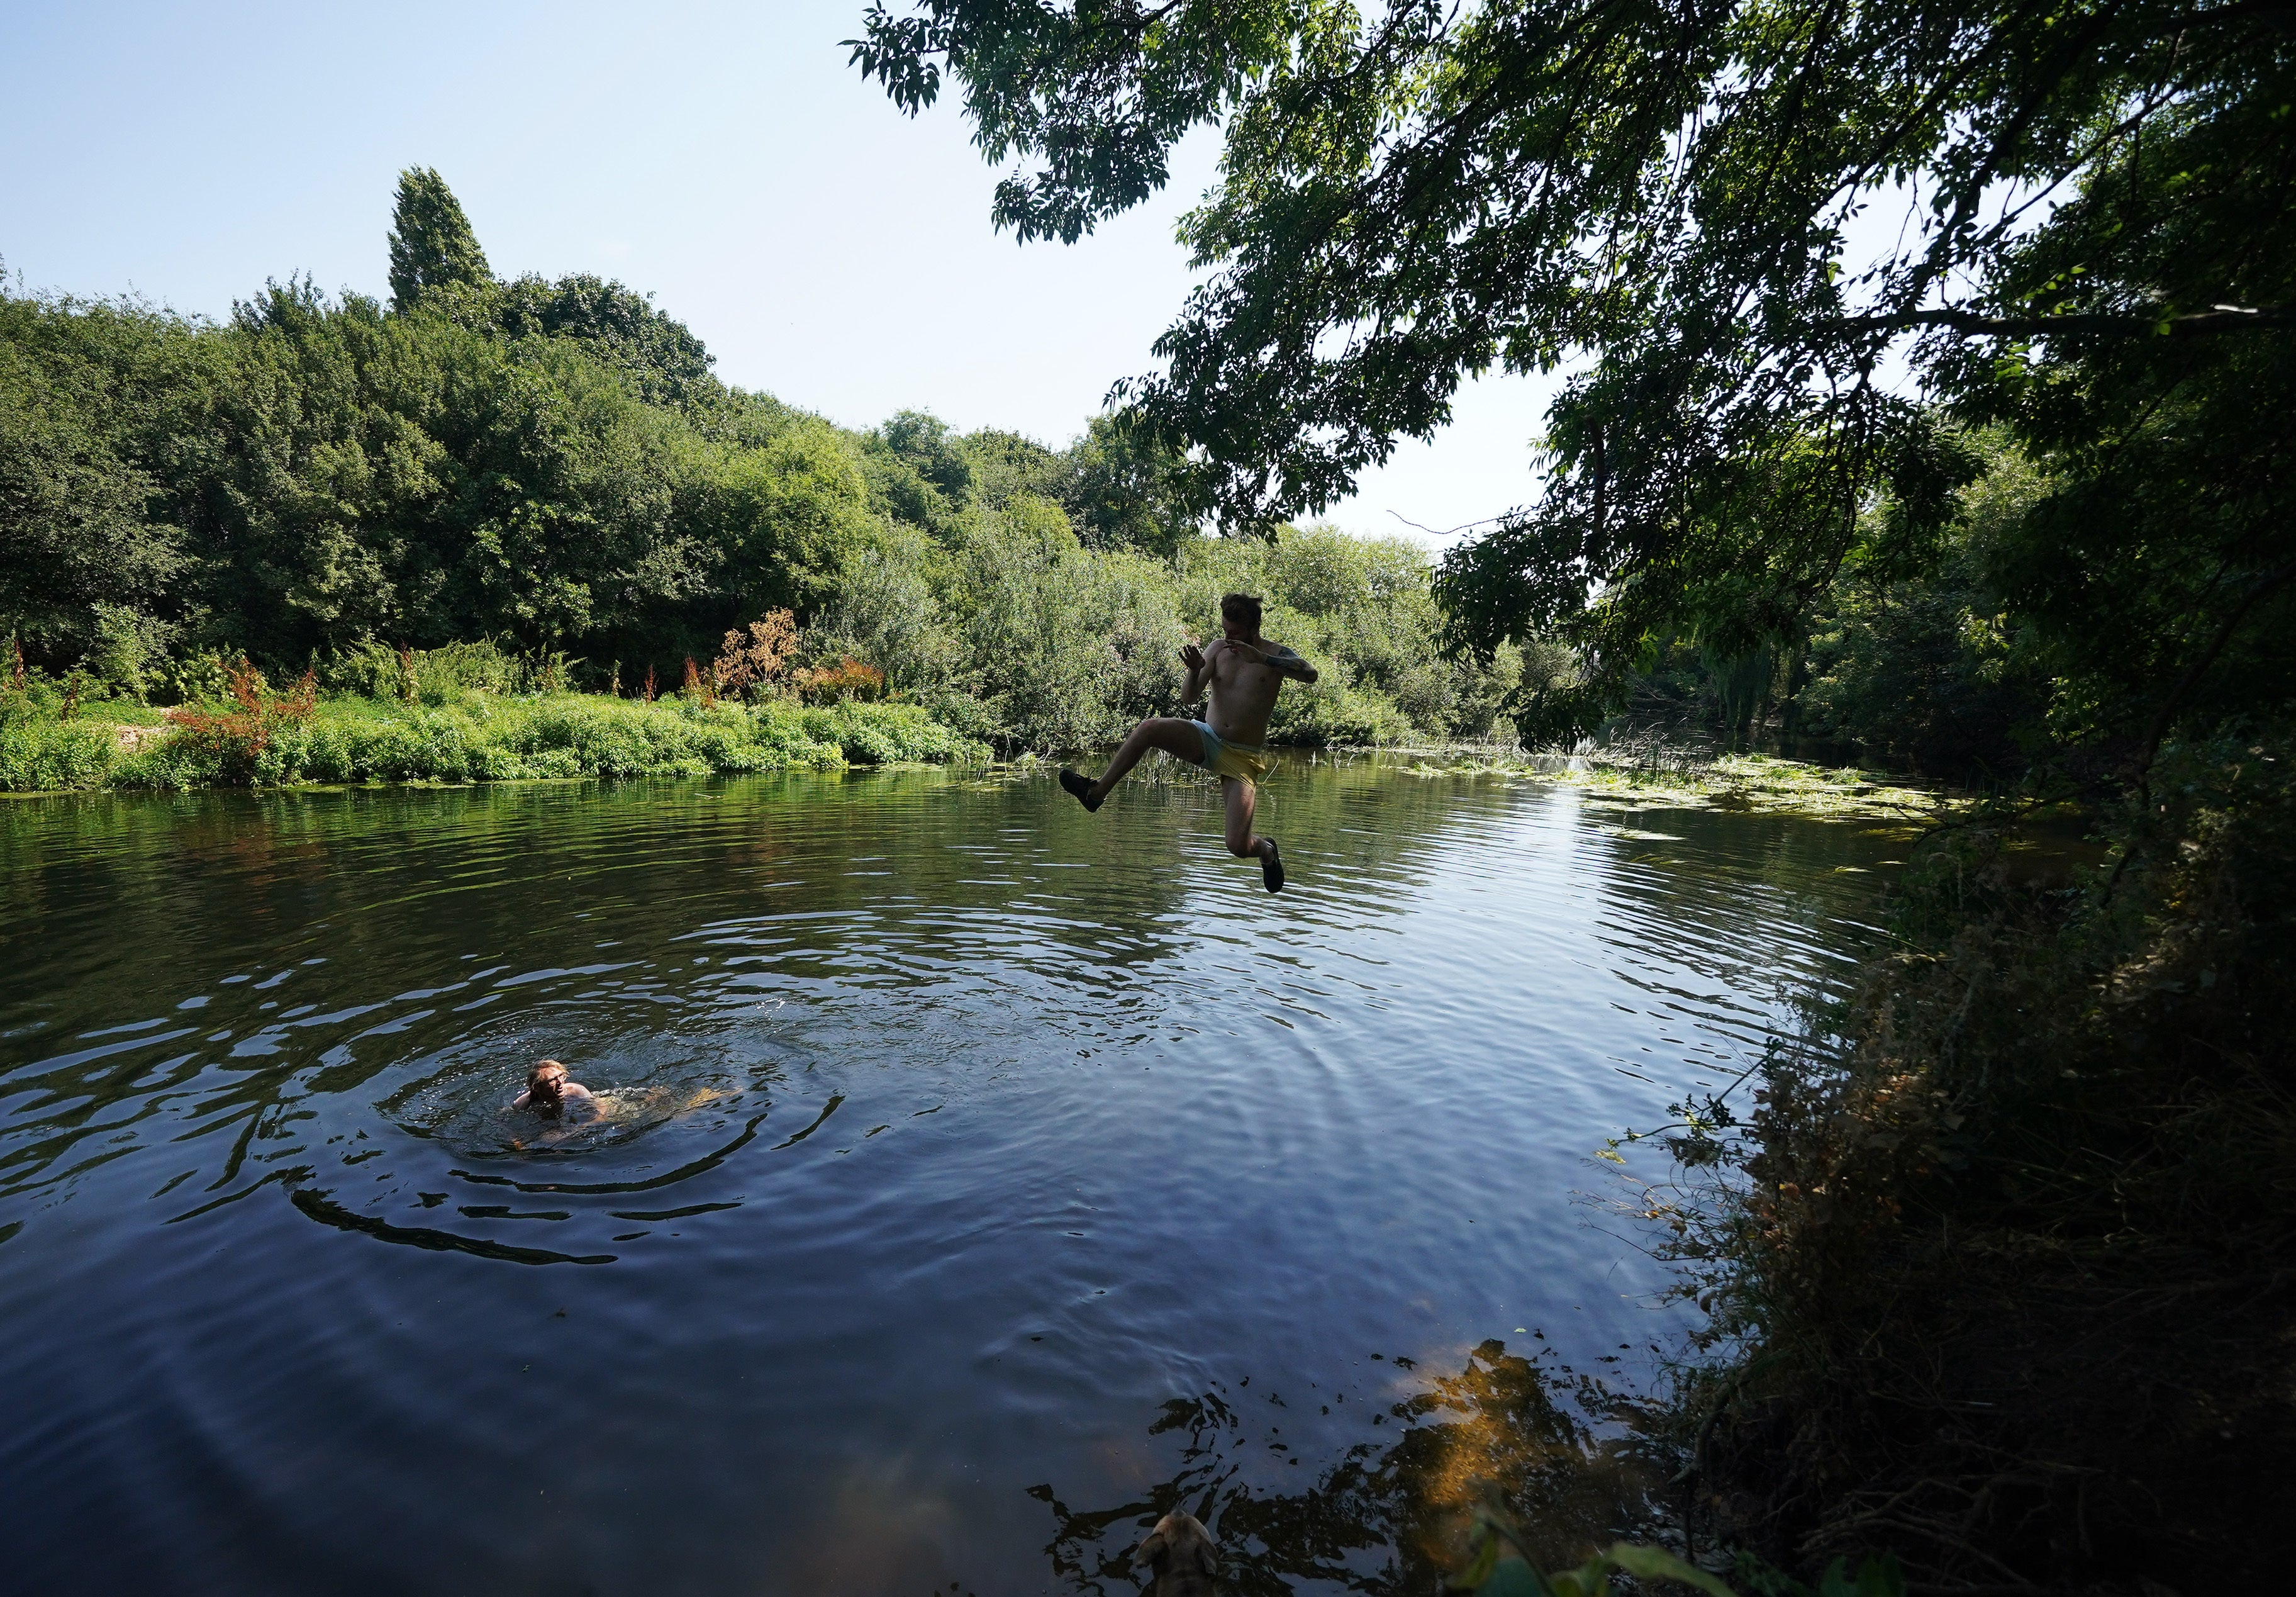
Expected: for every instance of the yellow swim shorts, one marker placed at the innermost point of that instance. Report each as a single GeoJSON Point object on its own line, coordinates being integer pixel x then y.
{"type": "Point", "coordinates": [1245, 761]}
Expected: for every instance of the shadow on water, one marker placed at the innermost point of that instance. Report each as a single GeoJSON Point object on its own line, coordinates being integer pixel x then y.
{"type": "Point", "coordinates": [1384, 1519]}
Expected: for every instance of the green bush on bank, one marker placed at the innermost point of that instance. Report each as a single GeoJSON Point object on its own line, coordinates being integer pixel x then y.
{"type": "Point", "coordinates": [48, 756]}
{"type": "Point", "coordinates": [1012, 627]}
{"type": "Point", "coordinates": [479, 738]}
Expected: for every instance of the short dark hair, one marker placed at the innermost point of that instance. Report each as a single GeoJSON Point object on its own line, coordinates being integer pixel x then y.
{"type": "Point", "coordinates": [1242, 608]}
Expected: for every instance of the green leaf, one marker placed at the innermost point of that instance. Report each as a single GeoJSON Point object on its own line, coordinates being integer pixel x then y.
{"type": "Point", "coordinates": [1653, 1563]}
{"type": "Point", "coordinates": [1475, 1574]}
{"type": "Point", "coordinates": [1882, 1577]}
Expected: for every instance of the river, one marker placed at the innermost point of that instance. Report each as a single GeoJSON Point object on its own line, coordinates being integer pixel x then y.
{"type": "Point", "coordinates": [982, 1176]}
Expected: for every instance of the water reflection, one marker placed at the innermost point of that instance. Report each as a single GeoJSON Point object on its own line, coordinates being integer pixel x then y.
{"type": "Point", "coordinates": [1383, 1518]}
{"type": "Point", "coordinates": [965, 1130]}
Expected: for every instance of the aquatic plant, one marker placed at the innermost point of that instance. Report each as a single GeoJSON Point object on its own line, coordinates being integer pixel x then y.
{"type": "Point", "coordinates": [1694, 780]}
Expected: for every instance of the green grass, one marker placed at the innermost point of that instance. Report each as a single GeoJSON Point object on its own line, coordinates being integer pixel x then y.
{"type": "Point", "coordinates": [477, 737]}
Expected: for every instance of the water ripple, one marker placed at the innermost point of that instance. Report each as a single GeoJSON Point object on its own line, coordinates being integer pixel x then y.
{"type": "Point", "coordinates": [951, 1132]}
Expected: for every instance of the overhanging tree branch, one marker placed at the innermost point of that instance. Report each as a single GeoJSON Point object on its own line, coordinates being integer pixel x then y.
{"type": "Point", "coordinates": [2218, 318]}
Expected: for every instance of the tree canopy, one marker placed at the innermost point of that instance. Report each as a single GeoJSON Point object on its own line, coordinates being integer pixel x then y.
{"type": "Point", "coordinates": [1722, 221]}
{"type": "Point", "coordinates": [551, 468]}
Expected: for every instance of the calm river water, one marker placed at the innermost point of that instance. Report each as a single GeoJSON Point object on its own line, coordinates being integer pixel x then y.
{"type": "Point", "coordinates": [983, 1176]}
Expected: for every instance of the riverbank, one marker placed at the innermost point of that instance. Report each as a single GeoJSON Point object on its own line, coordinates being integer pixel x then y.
{"type": "Point", "coordinates": [1995, 1250]}
{"type": "Point", "coordinates": [271, 739]}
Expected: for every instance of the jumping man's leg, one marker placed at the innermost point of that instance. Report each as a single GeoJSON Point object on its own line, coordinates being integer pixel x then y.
{"type": "Point", "coordinates": [1178, 738]}
{"type": "Point", "coordinates": [1242, 801]}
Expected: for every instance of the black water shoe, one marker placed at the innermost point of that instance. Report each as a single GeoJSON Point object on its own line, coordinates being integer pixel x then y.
{"type": "Point", "coordinates": [1271, 865]}
{"type": "Point", "coordinates": [1081, 785]}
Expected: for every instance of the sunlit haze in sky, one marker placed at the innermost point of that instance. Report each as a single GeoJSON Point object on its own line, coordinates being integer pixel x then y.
{"type": "Point", "coordinates": [722, 156]}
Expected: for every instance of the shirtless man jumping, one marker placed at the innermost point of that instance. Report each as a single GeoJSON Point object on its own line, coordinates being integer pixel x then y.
{"type": "Point", "coordinates": [1245, 672]}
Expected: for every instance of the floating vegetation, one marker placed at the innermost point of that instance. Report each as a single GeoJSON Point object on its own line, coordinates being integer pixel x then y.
{"type": "Point", "coordinates": [1684, 780]}
{"type": "Point", "coordinates": [1763, 783]}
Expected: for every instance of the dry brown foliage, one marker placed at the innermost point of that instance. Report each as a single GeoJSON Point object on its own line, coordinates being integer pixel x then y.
{"type": "Point", "coordinates": [237, 737]}
{"type": "Point", "coordinates": [849, 678]}
{"type": "Point", "coordinates": [754, 658]}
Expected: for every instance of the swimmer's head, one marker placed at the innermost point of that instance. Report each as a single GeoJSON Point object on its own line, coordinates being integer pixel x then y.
{"type": "Point", "coordinates": [545, 1082]}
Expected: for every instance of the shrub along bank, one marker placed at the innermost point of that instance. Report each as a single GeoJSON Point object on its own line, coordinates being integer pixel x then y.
{"type": "Point", "coordinates": [2000, 1248]}
{"type": "Point", "coordinates": [477, 737]}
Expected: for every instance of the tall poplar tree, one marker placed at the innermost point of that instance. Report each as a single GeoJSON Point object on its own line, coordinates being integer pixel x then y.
{"type": "Point", "coordinates": [431, 242]}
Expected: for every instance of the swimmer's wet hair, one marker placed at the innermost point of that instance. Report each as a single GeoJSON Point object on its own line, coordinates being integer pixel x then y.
{"type": "Point", "coordinates": [534, 1076]}
{"type": "Point", "coordinates": [1241, 608]}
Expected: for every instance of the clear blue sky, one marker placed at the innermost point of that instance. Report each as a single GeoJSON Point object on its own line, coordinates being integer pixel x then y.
{"type": "Point", "coordinates": [722, 156]}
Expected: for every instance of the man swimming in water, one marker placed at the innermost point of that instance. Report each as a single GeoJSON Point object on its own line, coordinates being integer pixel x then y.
{"type": "Point", "coordinates": [1245, 672]}
{"type": "Point", "coordinates": [550, 1092]}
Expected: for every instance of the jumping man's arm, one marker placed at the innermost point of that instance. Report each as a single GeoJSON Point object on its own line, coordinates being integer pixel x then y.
{"type": "Point", "coordinates": [1286, 662]}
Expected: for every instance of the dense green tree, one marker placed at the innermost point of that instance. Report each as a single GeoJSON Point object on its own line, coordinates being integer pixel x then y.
{"type": "Point", "coordinates": [660, 356]}
{"type": "Point", "coordinates": [788, 515]}
{"type": "Point", "coordinates": [1928, 669]}
{"type": "Point", "coordinates": [497, 470]}
{"type": "Point", "coordinates": [432, 244]}
{"type": "Point", "coordinates": [409, 479]}
{"type": "Point", "coordinates": [1003, 463]}
{"type": "Point", "coordinates": [1665, 199]}
{"type": "Point", "coordinates": [918, 472]}
{"type": "Point", "coordinates": [316, 475]}
{"type": "Point", "coordinates": [74, 538]}
{"type": "Point", "coordinates": [1127, 487]}
{"type": "Point", "coordinates": [436, 263]}
{"type": "Point", "coordinates": [103, 413]}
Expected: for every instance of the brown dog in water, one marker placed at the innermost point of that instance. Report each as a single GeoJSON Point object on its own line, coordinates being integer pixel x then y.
{"type": "Point", "coordinates": [1183, 1554]}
